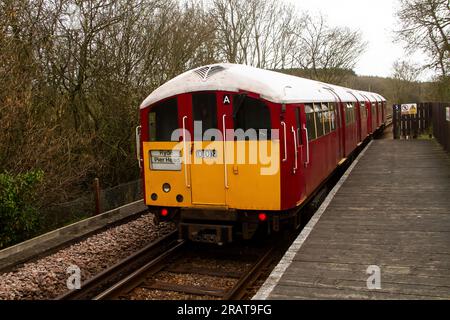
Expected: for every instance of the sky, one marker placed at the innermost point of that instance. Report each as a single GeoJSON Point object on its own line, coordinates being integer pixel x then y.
{"type": "Point", "coordinates": [377, 22]}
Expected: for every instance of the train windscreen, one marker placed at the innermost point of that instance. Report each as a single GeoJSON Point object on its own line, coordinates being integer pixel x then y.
{"type": "Point", "coordinates": [204, 107]}
{"type": "Point", "coordinates": [163, 120]}
{"type": "Point", "coordinates": [253, 114]}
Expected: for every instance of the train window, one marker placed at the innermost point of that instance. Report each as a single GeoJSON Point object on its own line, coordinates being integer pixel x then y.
{"type": "Point", "coordinates": [326, 118]}
{"type": "Point", "coordinates": [350, 114]}
{"type": "Point", "coordinates": [318, 120]}
{"type": "Point", "coordinates": [332, 117]}
{"type": "Point", "coordinates": [297, 121]}
{"type": "Point", "coordinates": [310, 123]}
{"type": "Point", "coordinates": [204, 108]}
{"type": "Point", "coordinates": [337, 115]}
{"type": "Point", "coordinates": [347, 114]}
{"type": "Point", "coordinates": [163, 120]}
{"type": "Point", "coordinates": [353, 112]}
{"type": "Point", "coordinates": [379, 109]}
{"type": "Point", "coordinates": [362, 110]}
{"type": "Point", "coordinates": [253, 114]}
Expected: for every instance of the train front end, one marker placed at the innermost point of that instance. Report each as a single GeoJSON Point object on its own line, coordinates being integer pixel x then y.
{"type": "Point", "coordinates": [210, 162]}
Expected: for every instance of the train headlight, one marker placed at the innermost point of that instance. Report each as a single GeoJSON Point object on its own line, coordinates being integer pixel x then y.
{"type": "Point", "coordinates": [166, 187]}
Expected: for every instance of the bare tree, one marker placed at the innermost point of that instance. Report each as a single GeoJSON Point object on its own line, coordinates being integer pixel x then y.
{"type": "Point", "coordinates": [273, 37]}
{"type": "Point", "coordinates": [406, 71]}
{"type": "Point", "coordinates": [425, 26]}
{"type": "Point", "coordinates": [73, 74]}
{"type": "Point", "coordinates": [261, 33]}
{"type": "Point", "coordinates": [404, 81]}
{"type": "Point", "coordinates": [233, 28]}
{"type": "Point", "coordinates": [327, 53]}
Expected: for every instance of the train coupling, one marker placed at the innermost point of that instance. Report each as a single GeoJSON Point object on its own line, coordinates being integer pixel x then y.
{"type": "Point", "coordinates": [206, 233]}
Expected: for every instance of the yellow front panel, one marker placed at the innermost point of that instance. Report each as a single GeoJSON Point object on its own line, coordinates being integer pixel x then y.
{"type": "Point", "coordinates": [253, 175]}
{"type": "Point", "coordinates": [207, 173]}
{"type": "Point", "coordinates": [154, 179]}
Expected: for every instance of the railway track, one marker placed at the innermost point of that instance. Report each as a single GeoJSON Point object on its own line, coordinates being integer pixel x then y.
{"type": "Point", "coordinates": [206, 274]}
{"type": "Point", "coordinates": [181, 271]}
{"type": "Point", "coordinates": [111, 275]}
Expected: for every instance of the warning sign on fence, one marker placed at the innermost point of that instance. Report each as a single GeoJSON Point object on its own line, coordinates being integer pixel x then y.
{"type": "Point", "coordinates": [410, 108]}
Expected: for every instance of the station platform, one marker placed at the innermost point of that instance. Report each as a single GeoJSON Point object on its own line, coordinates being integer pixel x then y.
{"type": "Point", "coordinates": [383, 232]}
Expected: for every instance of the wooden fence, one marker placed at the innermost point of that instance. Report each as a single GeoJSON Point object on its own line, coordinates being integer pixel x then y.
{"type": "Point", "coordinates": [441, 124]}
{"type": "Point", "coordinates": [430, 118]}
{"type": "Point", "coordinates": [410, 126]}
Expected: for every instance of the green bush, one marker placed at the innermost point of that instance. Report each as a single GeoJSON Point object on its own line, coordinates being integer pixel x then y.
{"type": "Point", "coordinates": [19, 218]}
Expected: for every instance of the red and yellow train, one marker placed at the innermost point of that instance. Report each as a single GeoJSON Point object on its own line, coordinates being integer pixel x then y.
{"type": "Point", "coordinates": [225, 149]}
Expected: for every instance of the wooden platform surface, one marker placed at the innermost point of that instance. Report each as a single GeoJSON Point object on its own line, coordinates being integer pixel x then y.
{"type": "Point", "coordinates": [393, 211]}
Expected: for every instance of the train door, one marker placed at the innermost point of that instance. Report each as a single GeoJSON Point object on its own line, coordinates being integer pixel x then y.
{"type": "Point", "coordinates": [367, 106]}
{"type": "Point", "coordinates": [358, 111]}
{"type": "Point", "coordinates": [376, 113]}
{"type": "Point", "coordinates": [340, 116]}
{"type": "Point", "coordinates": [380, 113]}
{"type": "Point", "coordinates": [359, 116]}
{"type": "Point", "coordinates": [372, 122]}
{"type": "Point", "coordinates": [208, 180]}
{"type": "Point", "coordinates": [252, 153]}
{"type": "Point", "coordinates": [369, 116]}
{"type": "Point", "coordinates": [297, 152]}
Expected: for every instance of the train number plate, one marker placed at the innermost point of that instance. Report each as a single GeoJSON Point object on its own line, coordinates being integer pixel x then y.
{"type": "Point", "coordinates": [206, 154]}
{"type": "Point", "coordinates": [166, 160]}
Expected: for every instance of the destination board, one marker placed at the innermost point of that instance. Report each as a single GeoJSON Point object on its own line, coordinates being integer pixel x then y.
{"type": "Point", "coordinates": [166, 160]}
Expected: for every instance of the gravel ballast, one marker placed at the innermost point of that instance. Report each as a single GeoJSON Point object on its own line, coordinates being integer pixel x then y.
{"type": "Point", "coordinates": [47, 277]}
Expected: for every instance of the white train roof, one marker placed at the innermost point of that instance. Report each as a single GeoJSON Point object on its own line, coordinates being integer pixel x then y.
{"type": "Point", "coordinates": [380, 97]}
{"type": "Point", "coordinates": [373, 97]}
{"type": "Point", "coordinates": [345, 94]}
{"type": "Point", "coordinates": [272, 86]}
{"type": "Point", "coordinates": [361, 96]}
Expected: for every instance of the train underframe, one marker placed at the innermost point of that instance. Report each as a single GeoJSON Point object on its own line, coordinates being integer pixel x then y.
{"type": "Point", "coordinates": [225, 226]}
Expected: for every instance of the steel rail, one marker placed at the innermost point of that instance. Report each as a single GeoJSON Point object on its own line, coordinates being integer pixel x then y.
{"type": "Point", "coordinates": [93, 285]}
{"type": "Point", "coordinates": [238, 291]}
{"type": "Point", "coordinates": [138, 279]}
{"type": "Point", "coordinates": [136, 276]}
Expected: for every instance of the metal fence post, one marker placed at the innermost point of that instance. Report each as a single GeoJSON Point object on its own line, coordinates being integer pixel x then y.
{"type": "Point", "coordinates": [395, 121]}
{"type": "Point", "coordinates": [97, 196]}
